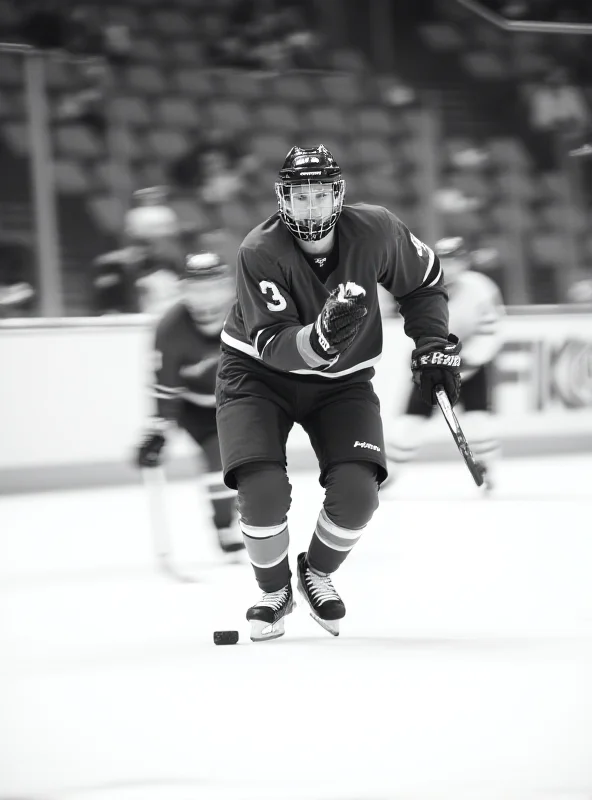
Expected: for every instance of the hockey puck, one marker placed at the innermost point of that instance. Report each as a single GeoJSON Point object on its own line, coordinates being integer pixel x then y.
{"type": "Point", "coordinates": [225, 637]}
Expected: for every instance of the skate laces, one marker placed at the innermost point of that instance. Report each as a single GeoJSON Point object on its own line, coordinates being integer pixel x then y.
{"type": "Point", "coordinates": [274, 600]}
{"type": "Point", "coordinates": [320, 586]}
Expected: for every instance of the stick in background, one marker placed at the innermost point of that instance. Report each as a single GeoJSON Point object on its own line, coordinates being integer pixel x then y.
{"type": "Point", "coordinates": [476, 469]}
{"type": "Point", "coordinates": [155, 482]}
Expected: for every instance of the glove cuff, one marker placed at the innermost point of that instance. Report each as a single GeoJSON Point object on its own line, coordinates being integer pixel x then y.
{"type": "Point", "coordinates": [320, 344]}
{"type": "Point", "coordinates": [305, 342]}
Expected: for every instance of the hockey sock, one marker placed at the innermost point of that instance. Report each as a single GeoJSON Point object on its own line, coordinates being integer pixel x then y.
{"type": "Point", "coordinates": [330, 544]}
{"type": "Point", "coordinates": [267, 549]}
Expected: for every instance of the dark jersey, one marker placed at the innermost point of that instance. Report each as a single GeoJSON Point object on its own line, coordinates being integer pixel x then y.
{"type": "Point", "coordinates": [185, 363]}
{"type": "Point", "coordinates": [279, 296]}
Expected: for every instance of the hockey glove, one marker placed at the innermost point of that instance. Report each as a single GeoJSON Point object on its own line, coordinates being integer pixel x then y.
{"type": "Point", "coordinates": [437, 361]}
{"type": "Point", "coordinates": [339, 321]}
{"type": "Point", "coordinates": [150, 449]}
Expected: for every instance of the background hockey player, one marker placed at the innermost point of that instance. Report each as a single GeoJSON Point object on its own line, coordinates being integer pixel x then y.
{"type": "Point", "coordinates": [476, 310]}
{"type": "Point", "coordinates": [186, 353]}
{"type": "Point", "coordinates": [143, 276]}
{"type": "Point", "coordinates": [299, 346]}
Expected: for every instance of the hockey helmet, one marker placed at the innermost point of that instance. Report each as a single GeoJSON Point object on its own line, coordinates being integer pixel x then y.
{"type": "Point", "coordinates": [310, 192]}
{"type": "Point", "coordinates": [454, 256]}
{"type": "Point", "coordinates": [151, 196]}
{"type": "Point", "coordinates": [208, 290]}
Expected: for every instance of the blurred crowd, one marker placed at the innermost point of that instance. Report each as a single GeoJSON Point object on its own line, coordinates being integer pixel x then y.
{"type": "Point", "coordinates": [212, 177]}
{"type": "Point", "coordinates": [264, 36]}
{"type": "Point", "coordinates": [542, 10]}
{"type": "Point", "coordinates": [142, 276]}
{"type": "Point", "coordinates": [257, 35]}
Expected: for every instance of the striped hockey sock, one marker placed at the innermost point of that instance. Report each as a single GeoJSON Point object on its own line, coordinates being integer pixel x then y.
{"type": "Point", "coordinates": [267, 548]}
{"type": "Point", "coordinates": [330, 544]}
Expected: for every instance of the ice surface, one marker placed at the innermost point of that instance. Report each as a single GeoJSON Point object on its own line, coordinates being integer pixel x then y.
{"type": "Point", "coordinates": [464, 668]}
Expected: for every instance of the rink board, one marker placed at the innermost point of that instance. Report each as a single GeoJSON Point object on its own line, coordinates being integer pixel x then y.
{"type": "Point", "coordinates": [74, 398]}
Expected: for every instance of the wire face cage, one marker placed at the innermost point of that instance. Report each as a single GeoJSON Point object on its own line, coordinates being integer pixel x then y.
{"type": "Point", "coordinates": [310, 209]}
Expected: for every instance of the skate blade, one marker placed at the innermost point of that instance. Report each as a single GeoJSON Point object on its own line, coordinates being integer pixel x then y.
{"type": "Point", "coordinates": [330, 625]}
{"type": "Point", "coordinates": [265, 631]}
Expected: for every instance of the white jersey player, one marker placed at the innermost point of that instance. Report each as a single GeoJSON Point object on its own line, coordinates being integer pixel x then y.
{"type": "Point", "coordinates": [476, 309]}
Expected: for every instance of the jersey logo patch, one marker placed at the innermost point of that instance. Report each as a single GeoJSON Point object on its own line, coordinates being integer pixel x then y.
{"type": "Point", "coordinates": [367, 446]}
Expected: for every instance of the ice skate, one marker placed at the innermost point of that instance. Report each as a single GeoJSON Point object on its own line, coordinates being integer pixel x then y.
{"type": "Point", "coordinates": [326, 607]}
{"type": "Point", "coordinates": [267, 616]}
{"type": "Point", "coordinates": [230, 539]}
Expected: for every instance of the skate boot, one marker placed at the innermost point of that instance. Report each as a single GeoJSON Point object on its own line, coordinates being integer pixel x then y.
{"type": "Point", "coordinates": [267, 616]}
{"type": "Point", "coordinates": [230, 539]}
{"type": "Point", "coordinates": [326, 607]}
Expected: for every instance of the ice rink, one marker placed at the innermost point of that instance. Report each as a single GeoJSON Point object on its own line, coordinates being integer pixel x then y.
{"type": "Point", "coordinates": [464, 667]}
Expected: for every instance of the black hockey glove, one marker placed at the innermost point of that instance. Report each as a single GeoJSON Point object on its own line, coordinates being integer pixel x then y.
{"type": "Point", "coordinates": [150, 449]}
{"type": "Point", "coordinates": [437, 361]}
{"type": "Point", "coordinates": [339, 320]}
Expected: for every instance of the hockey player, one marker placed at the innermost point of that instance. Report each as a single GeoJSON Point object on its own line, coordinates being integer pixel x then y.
{"type": "Point", "coordinates": [299, 345]}
{"type": "Point", "coordinates": [476, 309]}
{"type": "Point", "coordinates": [186, 354]}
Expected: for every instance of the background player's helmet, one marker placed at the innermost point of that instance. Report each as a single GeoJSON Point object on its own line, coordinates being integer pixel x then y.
{"type": "Point", "coordinates": [454, 256]}
{"type": "Point", "coordinates": [151, 196]}
{"type": "Point", "coordinates": [208, 290]}
{"type": "Point", "coordinates": [310, 192]}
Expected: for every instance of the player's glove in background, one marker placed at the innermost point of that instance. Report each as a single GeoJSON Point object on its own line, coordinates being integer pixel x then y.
{"type": "Point", "coordinates": [437, 361]}
{"type": "Point", "coordinates": [150, 450]}
{"type": "Point", "coordinates": [339, 320]}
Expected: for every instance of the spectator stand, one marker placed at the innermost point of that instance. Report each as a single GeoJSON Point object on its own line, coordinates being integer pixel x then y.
{"type": "Point", "coordinates": [535, 201]}
{"type": "Point", "coordinates": [166, 98]}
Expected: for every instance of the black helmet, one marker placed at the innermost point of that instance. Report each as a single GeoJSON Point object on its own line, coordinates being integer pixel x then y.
{"type": "Point", "coordinates": [303, 167]}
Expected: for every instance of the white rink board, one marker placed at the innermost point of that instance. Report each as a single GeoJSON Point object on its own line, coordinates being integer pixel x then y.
{"type": "Point", "coordinates": [544, 376]}
{"type": "Point", "coordinates": [73, 391]}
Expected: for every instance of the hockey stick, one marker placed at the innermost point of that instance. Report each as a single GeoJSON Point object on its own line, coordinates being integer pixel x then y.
{"type": "Point", "coordinates": [475, 467]}
{"type": "Point", "coordinates": [154, 479]}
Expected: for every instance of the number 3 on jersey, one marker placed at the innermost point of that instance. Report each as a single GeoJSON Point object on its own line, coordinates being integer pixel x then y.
{"type": "Point", "coordinates": [277, 302]}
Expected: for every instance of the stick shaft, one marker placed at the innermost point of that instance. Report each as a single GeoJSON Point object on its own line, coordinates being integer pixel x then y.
{"type": "Point", "coordinates": [155, 481]}
{"type": "Point", "coordinates": [473, 466]}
